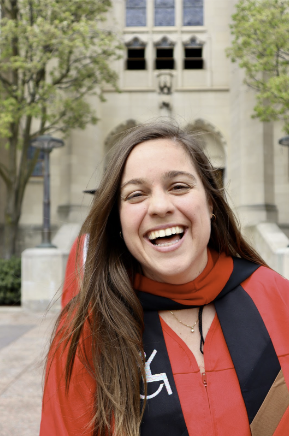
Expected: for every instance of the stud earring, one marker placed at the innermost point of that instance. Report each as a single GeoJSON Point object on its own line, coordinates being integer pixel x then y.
{"type": "Point", "coordinates": [213, 217]}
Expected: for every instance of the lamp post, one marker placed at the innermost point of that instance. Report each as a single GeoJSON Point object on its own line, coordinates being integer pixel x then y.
{"type": "Point", "coordinates": [46, 143]}
{"type": "Point", "coordinates": [285, 142]}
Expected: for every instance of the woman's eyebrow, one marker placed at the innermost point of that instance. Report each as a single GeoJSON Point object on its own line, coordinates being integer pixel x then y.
{"type": "Point", "coordinates": [173, 174]}
{"type": "Point", "coordinates": [133, 182]}
{"type": "Point", "coordinates": [168, 175]}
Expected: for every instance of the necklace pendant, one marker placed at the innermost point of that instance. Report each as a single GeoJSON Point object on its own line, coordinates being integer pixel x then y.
{"type": "Point", "coordinates": [192, 330]}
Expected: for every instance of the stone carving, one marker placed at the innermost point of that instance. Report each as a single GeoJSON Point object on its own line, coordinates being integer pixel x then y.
{"type": "Point", "coordinates": [135, 42]}
{"type": "Point", "coordinates": [193, 42]}
{"type": "Point", "coordinates": [164, 42]}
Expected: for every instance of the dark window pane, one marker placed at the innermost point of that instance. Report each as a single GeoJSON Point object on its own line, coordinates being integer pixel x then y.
{"type": "Point", "coordinates": [135, 13]}
{"type": "Point", "coordinates": [165, 59]}
{"type": "Point", "coordinates": [193, 58]}
{"type": "Point", "coordinates": [165, 52]}
{"type": "Point", "coordinates": [164, 12]}
{"type": "Point", "coordinates": [135, 64]}
{"type": "Point", "coordinates": [135, 59]}
{"type": "Point", "coordinates": [135, 53]}
{"type": "Point", "coordinates": [193, 14]}
{"type": "Point", "coordinates": [193, 64]}
{"type": "Point", "coordinates": [165, 64]}
{"type": "Point", "coordinates": [193, 52]}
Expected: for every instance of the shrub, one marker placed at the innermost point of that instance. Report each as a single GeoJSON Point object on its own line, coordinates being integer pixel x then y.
{"type": "Point", "coordinates": [10, 281]}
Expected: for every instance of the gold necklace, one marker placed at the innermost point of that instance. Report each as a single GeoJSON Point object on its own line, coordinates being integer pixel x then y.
{"type": "Point", "coordinates": [190, 326]}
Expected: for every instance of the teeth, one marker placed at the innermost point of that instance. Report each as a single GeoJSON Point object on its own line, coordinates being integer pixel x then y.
{"type": "Point", "coordinates": [167, 232]}
{"type": "Point", "coordinates": [166, 244]}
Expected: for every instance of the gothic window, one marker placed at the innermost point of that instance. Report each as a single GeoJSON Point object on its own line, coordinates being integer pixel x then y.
{"type": "Point", "coordinates": [164, 12]}
{"type": "Point", "coordinates": [38, 169]}
{"type": "Point", "coordinates": [193, 51]}
{"type": "Point", "coordinates": [193, 13]}
{"type": "Point", "coordinates": [165, 54]}
{"type": "Point", "coordinates": [135, 55]}
{"type": "Point", "coordinates": [135, 13]}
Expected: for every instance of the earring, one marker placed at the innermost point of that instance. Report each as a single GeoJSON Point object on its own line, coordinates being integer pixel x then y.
{"type": "Point", "coordinates": [120, 235]}
{"type": "Point", "coordinates": [213, 217]}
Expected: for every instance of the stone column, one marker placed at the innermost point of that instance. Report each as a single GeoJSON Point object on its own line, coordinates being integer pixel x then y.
{"type": "Point", "coordinates": [42, 277]}
{"type": "Point", "coordinates": [251, 157]}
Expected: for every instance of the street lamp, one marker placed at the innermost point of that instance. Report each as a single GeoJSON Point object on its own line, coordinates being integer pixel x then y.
{"type": "Point", "coordinates": [46, 143]}
{"type": "Point", "coordinates": [284, 141]}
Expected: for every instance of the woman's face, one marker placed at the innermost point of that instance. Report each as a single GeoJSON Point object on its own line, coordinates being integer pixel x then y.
{"type": "Point", "coordinates": [164, 212]}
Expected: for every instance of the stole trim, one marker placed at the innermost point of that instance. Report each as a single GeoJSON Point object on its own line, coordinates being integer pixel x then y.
{"type": "Point", "coordinates": [251, 349]}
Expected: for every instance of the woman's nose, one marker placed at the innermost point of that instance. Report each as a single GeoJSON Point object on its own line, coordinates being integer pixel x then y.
{"type": "Point", "coordinates": [160, 204]}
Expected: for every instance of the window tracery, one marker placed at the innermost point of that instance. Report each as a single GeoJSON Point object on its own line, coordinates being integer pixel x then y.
{"type": "Point", "coordinates": [164, 12]}
{"type": "Point", "coordinates": [135, 13]}
{"type": "Point", "coordinates": [193, 14]}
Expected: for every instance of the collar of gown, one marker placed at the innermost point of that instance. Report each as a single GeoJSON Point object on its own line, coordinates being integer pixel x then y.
{"type": "Point", "coordinates": [203, 290]}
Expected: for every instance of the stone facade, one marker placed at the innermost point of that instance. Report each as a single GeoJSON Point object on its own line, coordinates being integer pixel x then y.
{"type": "Point", "coordinates": [211, 99]}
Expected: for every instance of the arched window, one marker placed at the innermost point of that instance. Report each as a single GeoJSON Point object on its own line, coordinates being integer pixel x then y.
{"type": "Point", "coordinates": [193, 51]}
{"type": "Point", "coordinates": [135, 13]}
{"type": "Point", "coordinates": [135, 55]}
{"type": "Point", "coordinates": [164, 12]}
{"type": "Point", "coordinates": [164, 54]}
{"type": "Point", "coordinates": [193, 14]}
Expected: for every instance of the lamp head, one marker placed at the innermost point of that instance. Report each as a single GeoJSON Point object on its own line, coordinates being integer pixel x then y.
{"type": "Point", "coordinates": [46, 143]}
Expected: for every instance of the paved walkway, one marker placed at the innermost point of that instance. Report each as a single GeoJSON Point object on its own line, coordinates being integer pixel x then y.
{"type": "Point", "coordinates": [24, 339]}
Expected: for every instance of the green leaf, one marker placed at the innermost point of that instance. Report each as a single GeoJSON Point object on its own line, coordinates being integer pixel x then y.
{"type": "Point", "coordinates": [260, 45]}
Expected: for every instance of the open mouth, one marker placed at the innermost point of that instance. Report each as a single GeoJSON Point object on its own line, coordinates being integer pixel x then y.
{"type": "Point", "coordinates": [166, 237]}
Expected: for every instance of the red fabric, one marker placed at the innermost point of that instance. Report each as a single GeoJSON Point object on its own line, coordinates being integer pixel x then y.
{"type": "Point", "coordinates": [67, 415]}
{"type": "Point", "coordinates": [202, 290]}
{"type": "Point", "coordinates": [217, 409]}
{"type": "Point", "coordinates": [70, 286]}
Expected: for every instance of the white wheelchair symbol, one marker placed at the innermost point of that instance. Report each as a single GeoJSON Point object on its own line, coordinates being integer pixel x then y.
{"type": "Point", "coordinates": [156, 377]}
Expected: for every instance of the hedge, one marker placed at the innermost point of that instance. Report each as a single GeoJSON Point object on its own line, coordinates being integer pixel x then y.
{"type": "Point", "coordinates": [10, 281]}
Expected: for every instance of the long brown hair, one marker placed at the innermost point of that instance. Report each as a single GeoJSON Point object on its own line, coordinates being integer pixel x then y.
{"type": "Point", "coordinates": [107, 302]}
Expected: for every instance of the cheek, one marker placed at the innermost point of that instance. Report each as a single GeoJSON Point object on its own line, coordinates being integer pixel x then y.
{"type": "Point", "coordinates": [198, 213]}
{"type": "Point", "coordinates": [131, 217]}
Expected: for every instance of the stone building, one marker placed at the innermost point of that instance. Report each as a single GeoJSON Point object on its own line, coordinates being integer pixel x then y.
{"type": "Point", "coordinates": [174, 65]}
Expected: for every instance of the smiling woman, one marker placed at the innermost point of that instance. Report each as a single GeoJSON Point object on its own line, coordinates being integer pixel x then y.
{"type": "Point", "coordinates": [164, 212]}
{"type": "Point", "coordinates": [179, 326]}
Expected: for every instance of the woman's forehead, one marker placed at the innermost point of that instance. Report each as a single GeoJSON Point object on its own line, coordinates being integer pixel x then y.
{"type": "Point", "coordinates": [158, 153]}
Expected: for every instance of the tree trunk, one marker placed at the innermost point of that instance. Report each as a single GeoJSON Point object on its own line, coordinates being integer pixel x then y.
{"type": "Point", "coordinates": [16, 183]}
{"type": "Point", "coordinates": [12, 214]}
{"type": "Point", "coordinates": [10, 235]}
{"type": "Point", "coordinates": [12, 217]}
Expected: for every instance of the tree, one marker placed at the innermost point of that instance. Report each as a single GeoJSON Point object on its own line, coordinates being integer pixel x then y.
{"type": "Point", "coordinates": [53, 53]}
{"type": "Point", "coordinates": [260, 44]}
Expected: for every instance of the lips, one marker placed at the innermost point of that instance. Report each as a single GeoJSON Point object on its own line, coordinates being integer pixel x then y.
{"type": "Point", "coordinates": [166, 237]}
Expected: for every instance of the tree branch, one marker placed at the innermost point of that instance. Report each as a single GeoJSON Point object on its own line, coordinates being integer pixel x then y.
{"type": "Point", "coordinates": [66, 72]}
{"type": "Point", "coordinates": [4, 174]}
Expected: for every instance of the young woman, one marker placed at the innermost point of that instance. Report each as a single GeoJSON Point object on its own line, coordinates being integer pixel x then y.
{"type": "Point", "coordinates": [179, 327]}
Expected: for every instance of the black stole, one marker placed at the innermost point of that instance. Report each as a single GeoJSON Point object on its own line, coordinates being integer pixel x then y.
{"type": "Point", "coordinates": [248, 341]}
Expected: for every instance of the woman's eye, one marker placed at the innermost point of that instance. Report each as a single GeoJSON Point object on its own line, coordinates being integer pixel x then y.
{"type": "Point", "coordinates": [135, 197]}
{"type": "Point", "coordinates": [179, 188]}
